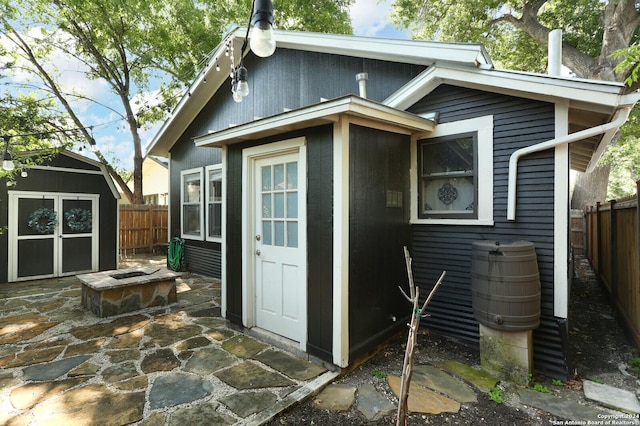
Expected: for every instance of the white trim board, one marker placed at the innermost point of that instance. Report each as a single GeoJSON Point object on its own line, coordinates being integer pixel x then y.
{"type": "Point", "coordinates": [562, 217]}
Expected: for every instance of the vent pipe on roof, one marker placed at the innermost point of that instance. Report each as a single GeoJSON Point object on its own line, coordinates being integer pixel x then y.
{"type": "Point", "coordinates": [362, 83]}
{"type": "Point", "coordinates": [555, 52]}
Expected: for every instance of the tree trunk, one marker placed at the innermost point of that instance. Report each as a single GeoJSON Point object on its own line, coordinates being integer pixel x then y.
{"type": "Point", "coordinates": [590, 188]}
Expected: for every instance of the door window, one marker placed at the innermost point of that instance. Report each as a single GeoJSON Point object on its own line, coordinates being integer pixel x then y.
{"type": "Point", "coordinates": [279, 195]}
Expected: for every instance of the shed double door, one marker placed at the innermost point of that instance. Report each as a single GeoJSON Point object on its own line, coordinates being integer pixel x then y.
{"type": "Point", "coordinates": [52, 234]}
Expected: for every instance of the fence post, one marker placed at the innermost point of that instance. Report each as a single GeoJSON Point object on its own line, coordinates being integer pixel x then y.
{"type": "Point", "coordinates": [614, 254]}
{"type": "Point", "coordinates": [585, 230]}
{"type": "Point", "coordinates": [150, 215]}
{"type": "Point", "coordinates": [598, 243]}
{"type": "Point", "coordinates": [588, 230]}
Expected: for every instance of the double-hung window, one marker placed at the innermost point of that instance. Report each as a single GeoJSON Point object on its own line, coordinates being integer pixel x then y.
{"type": "Point", "coordinates": [214, 202]}
{"type": "Point", "coordinates": [191, 196]}
{"type": "Point", "coordinates": [452, 182]}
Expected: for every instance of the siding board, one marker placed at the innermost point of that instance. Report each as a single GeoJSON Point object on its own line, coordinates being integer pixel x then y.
{"type": "Point", "coordinates": [517, 123]}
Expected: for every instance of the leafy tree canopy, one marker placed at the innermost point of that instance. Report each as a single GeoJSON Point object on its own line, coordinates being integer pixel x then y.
{"type": "Point", "coordinates": [516, 31]}
{"type": "Point", "coordinates": [136, 48]}
{"type": "Point", "coordinates": [600, 41]}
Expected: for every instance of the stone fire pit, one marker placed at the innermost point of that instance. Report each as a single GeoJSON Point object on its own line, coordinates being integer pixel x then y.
{"type": "Point", "coordinates": [119, 291]}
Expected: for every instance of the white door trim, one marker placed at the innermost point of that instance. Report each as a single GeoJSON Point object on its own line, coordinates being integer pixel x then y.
{"type": "Point", "coordinates": [249, 157]}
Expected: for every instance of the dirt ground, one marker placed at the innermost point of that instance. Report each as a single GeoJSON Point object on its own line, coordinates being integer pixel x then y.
{"type": "Point", "coordinates": [600, 350]}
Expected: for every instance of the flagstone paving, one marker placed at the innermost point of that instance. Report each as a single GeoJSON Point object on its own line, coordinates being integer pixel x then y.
{"type": "Point", "coordinates": [182, 364]}
{"type": "Point", "coordinates": [179, 364]}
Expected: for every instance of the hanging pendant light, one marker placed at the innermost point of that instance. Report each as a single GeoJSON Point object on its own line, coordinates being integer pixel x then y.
{"type": "Point", "coordinates": [243, 87]}
{"type": "Point", "coordinates": [262, 40]}
{"type": "Point", "coordinates": [7, 160]}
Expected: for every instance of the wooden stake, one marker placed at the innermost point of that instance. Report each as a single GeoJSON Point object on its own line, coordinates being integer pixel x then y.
{"type": "Point", "coordinates": [416, 315]}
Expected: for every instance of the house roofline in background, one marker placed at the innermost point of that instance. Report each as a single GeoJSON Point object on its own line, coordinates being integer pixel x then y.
{"type": "Point", "coordinates": [404, 51]}
{"type": "Point", "coordinates": [461, 64]}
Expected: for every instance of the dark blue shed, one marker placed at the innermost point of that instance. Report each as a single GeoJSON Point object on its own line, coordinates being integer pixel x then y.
{"type": "Point", "coordinates": [59, 218]}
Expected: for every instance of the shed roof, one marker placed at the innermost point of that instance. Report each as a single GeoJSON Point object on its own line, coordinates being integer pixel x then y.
{"type": "Point", "coordinates": [95, 166]}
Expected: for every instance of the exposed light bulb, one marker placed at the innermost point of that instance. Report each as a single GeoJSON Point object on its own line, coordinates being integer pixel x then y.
{"type": "Point", "coordinates": [7, 162]}
{"type": "Point", "coordinates": [8, 165]}
{"type": "Point", "coordinates": [263, 42]}
{"type": "Point", "coordinates": [243, 87]}
{"type": "Point", "coordinates": [237, 97]}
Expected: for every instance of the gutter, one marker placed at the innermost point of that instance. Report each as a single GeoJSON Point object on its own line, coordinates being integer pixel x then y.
{"type": "Point", "coordinates": [609, 128]}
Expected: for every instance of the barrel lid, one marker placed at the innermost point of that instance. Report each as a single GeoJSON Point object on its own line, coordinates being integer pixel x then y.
{"type": "Point", "coordinates": [503, 246]}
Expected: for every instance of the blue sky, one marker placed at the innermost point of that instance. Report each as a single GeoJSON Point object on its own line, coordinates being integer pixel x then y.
{"type": "Point", "coordinates": [370, 18]}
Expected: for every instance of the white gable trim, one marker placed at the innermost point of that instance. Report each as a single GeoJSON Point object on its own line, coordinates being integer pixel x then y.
{"type": "Point", "coordinates": [589, 94]}
{"type": "Point", "coordinates": [394, 50]}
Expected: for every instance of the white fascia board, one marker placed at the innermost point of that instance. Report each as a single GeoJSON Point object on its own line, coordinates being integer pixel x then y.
{"type": "Point", "coordinates": [394, 50]}
{"type": "Point", "coordinates": [324, 112]}
{"type": "Point", "coordinates": [531, 86]}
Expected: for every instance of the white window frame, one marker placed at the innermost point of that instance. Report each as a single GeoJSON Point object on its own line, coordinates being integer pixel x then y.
{"type": "Point", "coordinates": [207, 172]}
{"type": "Point", "coordinates": [483, 128]}
{"type": "Point", "coordinates": [183, 175]}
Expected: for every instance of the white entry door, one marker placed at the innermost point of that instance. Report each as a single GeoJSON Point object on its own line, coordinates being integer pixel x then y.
{"type": "Point", "coordinates": [52, 234]}
{"type": "Point", "coordinates": [279, 244]}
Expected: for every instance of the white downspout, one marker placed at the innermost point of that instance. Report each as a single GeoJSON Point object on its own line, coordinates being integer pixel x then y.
{"type": "Point", "coordinates": [612, 126]}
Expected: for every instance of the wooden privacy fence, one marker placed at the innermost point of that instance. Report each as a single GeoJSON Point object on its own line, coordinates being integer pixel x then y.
{"type": "Point", "coordinates": [143, 228]}
{"type": "Point", "coordinates": [613, 248]}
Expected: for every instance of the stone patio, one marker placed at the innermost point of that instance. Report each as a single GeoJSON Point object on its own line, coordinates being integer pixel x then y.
{"type": "Point", "coordinates": [177, 364]}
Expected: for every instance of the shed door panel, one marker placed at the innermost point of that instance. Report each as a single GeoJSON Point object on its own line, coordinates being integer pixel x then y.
{"type": "Point", "coordinates": [52, 235]}
{"type": "Point", "coordinates": [35, 241]}
{"type": "Point", "coordinates": [76, 235]}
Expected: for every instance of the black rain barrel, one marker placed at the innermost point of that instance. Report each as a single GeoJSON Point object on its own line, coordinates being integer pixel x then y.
{"type": "Point", "coordinates": [505, 285]}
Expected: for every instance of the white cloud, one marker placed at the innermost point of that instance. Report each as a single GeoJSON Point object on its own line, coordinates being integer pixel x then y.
{"type": "Point", "coordinates": [371, 18]}
{"type": "Point", "coordinates": [67, 71]}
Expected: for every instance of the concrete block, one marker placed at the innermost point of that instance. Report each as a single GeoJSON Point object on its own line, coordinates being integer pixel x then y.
{"type": "Point", "coordinates": [507, 354]}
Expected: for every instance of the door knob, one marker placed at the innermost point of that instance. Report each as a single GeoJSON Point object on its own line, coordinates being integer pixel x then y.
{"type": "Point", "coordinates": [258, 253]}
